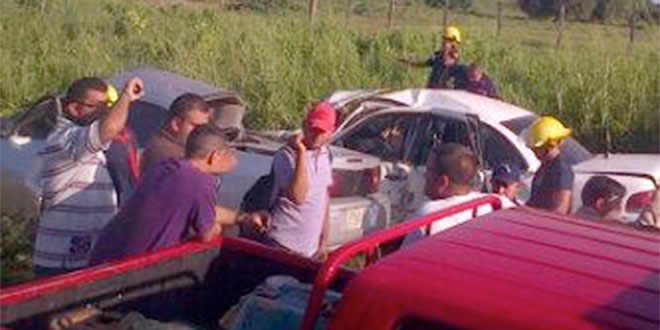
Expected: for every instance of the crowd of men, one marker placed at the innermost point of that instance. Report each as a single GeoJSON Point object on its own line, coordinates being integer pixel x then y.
{"type": "Point", "coordinates": [102, 200]}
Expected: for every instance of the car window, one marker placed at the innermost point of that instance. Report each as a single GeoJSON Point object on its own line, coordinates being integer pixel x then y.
{"type": "Point", "coordinates": [439, 129]}
{"type": "Point", "coordinates": [384, 136]}
{"type": "Point", "coordinates": [498, 150]}
{"type": "Point", "coordinates": [37, 121]}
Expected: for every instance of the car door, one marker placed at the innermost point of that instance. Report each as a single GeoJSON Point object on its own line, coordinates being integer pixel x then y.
{"type": "Point", "coordinates": [389, 136]}
{"type": "Point", "coordinates": [403, 141]}
{"type": "Point", "coordinates": [496, 150]}
{"type": "Point", "coordinates": [439, 126]}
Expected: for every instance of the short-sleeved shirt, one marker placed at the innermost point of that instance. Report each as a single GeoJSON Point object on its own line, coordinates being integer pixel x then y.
{"type": "Point", "coordinates": [298, 227]}
{"type": "Point", "coordinates": [78, 195]}
{"type": "Point", "coordinates": [160, 147]}
{"type": "Point", "coordinates": [174, 202]}
{"type": "Point", "coordinates": [443, 76]}
{"type": "Point", "coordinates": [550, 178]}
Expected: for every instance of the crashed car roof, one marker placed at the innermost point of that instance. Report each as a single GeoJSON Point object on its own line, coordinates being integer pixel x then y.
{"type": "Point", "coordinates": [490, 109]}
{"type": "Point", "coordinates": [162, 87]}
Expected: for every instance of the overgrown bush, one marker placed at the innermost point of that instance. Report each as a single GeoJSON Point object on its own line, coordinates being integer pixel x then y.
{"type": "Point", "coordinates": [16, 234]}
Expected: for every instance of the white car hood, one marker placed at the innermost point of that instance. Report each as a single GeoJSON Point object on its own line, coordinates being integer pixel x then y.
{"type": "Point", "coordinates": [646, 165]}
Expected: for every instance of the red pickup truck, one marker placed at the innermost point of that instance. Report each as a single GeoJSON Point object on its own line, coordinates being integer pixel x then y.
{"type": "Point", "coordinates": [514, 269]}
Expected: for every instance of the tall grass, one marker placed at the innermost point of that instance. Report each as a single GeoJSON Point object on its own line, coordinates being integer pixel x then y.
{"type": "Point", "coordinates": [278, 62]}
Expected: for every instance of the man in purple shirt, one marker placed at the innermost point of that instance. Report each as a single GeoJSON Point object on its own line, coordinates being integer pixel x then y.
{"type": "Point", "coordinates": [175, 202]}
{"type": "Point", "coordinates": [302, 178]}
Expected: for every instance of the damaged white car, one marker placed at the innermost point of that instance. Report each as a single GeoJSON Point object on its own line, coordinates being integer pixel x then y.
{"type": "Point", "coordinates": [400, 128]}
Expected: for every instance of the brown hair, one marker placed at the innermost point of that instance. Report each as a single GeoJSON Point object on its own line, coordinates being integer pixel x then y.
{"type": "Point", "coordinates": [77, 92]}
{"type": "Point", "coordinates": [186, 103]}
{"type": "Point", "coordinates": [455, 161]}
{"type": "Point", "coordinates": [205, 139]}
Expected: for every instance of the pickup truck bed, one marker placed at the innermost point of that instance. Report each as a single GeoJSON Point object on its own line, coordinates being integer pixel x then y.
{"type": "Point", "coordinates": [514, 269]}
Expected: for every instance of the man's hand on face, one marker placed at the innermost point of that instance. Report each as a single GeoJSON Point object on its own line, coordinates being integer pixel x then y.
{"type": "Point", "coordinates": [297, 143]}
{"type": "Point", "coordinates": [260, 220]}
{"type": "Point", "coordinates": [134, 89]}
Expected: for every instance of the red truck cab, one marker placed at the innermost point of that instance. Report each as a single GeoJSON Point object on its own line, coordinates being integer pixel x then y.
{"type": "Point", "coordinates": [516, 268]}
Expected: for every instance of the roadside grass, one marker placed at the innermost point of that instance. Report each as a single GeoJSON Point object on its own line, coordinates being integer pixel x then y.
{"type": "Point", "coordinates": [278, 62]}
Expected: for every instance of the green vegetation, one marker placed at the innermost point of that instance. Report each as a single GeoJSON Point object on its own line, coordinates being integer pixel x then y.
{"type": "Point", "coordinates": [278, 62]}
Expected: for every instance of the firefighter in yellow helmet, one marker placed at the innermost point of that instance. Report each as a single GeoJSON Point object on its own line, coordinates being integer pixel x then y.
{"type": "Point", "coordinates": [446, 70]}
{"type": "Point", "coordinates": [553, 182]}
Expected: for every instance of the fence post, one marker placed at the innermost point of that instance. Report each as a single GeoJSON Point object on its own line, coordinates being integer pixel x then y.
{"type": "Point", "coordinates": [560, 22]}
{"type": "Point", "coordinates": [349, 8]}
{"type": "Point", "coordinates": [445, 17]}
{"type": "Point", "coordinates": [632, 22]}
{"type": "Point", "coordinates": [390, 14]}
{"type": "Point", "coordinates": [312, 9]}
{"type": "Point", "coordinates": [499, 18]}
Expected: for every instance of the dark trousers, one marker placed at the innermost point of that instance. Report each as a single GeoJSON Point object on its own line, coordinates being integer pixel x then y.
{"type": "Point", "coordinates": [41, 271]}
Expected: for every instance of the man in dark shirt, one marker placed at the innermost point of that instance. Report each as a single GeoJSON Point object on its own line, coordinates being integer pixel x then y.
{"type": "Point", "coordinates": [552, 185]}
{"type": "Point", "coordinates": [446, 70]}
{"type": "Point", "coordinates": [175, 202]}
{"type": "Point", "coordinates": [186, 112]}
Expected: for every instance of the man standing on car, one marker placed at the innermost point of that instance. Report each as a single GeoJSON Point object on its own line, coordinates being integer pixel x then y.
{"type": "Point", "coordinates": [186, 112]}
{"type": "Point", "coordinates": [176, 202]}
{"type": "Point", "coordinates": [78, 195]}
{"type": "Point", "coordinates": [552, 186]}
{"type": "Point", "coordinates": [301, 181]}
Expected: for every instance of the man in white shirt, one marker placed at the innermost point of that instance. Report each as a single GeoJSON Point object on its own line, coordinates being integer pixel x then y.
{"type": "Point", "coordinates": [78, 195]}
{"type": "Point", "coordinates": [450, 169]}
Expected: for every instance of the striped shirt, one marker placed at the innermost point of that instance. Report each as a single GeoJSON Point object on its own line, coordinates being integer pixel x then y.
{"type": "Point", "coordinates": [78, 197]}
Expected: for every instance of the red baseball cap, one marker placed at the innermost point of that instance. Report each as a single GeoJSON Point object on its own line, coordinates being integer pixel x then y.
{"type": "Point", "coordinates": [323, 117]}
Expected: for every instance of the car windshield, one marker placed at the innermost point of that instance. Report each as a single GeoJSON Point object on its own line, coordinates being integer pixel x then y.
{"type": "Point", "coordinates": [575, 152]}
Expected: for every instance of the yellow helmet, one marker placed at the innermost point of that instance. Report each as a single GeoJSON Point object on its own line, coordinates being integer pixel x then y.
{"type": "Point", "coordinates": [544, 130]}
{"type": "Point", "coordinates": [453, 34]}
{"type": "Point", "coordinates": [111, 95]}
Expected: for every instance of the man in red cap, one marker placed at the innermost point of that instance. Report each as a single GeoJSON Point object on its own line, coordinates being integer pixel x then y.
{"type": "Point", "coordinates": [302, 175]}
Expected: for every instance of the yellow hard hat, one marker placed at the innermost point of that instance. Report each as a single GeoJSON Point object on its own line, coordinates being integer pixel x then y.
{"type": "Point", "coordinates": [111, 95]}
{"type": "Point", "coordinates": [453, 34]}
{"type": "Point", "coordinates": [544, 129]}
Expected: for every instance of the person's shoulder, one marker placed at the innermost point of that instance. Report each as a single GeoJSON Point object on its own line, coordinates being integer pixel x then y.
{"type": "Point", "coordinates": [284, 154]}
{"type": "Point", "coordinates": [434, 205]}
{"type": "Point", "coordinates": [563, 163]}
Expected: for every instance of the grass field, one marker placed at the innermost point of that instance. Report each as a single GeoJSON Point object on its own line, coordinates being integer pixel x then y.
{"type": "Point", "coordinates": [278, 62]}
